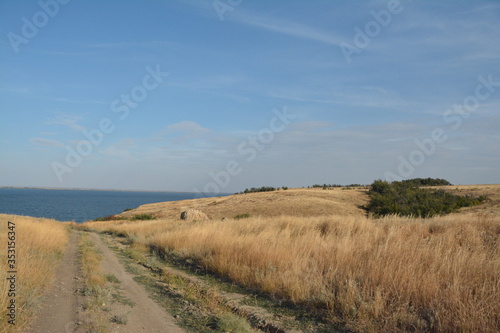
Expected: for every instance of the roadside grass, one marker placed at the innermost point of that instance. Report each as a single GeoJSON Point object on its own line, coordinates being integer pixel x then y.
{"type": "Point", "coordinates": [389, 274]}
{"type": "Point", "coordinates": [39, 246]}
{"type": "Point", "coordinates": [233, 324]}
{"type": "Point", "coordinates": [111, 278]}
{"type": "Point", "coordinates": [95, 286]}
{"type": "Point", "coordinates": [197, 308]}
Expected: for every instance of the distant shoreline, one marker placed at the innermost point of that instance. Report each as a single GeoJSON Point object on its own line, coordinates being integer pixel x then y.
{"type": "Point", "coordinates": [87, 189]}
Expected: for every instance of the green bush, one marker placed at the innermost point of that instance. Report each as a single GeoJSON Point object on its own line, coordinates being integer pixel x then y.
{"type": "Point", "coordinates": [241, 216]}
{"type": "Point", "coordinates": [406, 198]}
{"type": "Point", "coordinates": [427, 182]}
{"type": "Point", "coordinates": [108, 218]}
{"type": "Point", "coordinates": [325, 186]}
{"type": "Point", "coordinates": [143, 217]}
{"type": "Point", "coordinates": [260, 189]}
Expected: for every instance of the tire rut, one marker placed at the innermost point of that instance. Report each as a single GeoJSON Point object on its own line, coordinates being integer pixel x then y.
{"type": "Point", "coordinates": [145, 315]}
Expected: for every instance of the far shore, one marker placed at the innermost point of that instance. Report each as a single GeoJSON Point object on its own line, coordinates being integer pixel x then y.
{"type": "Point", "coordinates": [91, 189]}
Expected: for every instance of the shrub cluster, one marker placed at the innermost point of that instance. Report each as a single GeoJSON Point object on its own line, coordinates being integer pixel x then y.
{"type": "Point", "coordinates": [427, 182]}
{"type": "Point", "coordinates": [108, 218]}
{"type": "Point", "coordinates": [260, 189]}
{"type": "Point", "coordinates": [406, 198]}
{"type": "Point", "coordinates": [143, 217]}
{"type": "Point", "coordinates": [325, 186]}
{"type": "Point", "coordinates": [241, 216]}
{"type": "Point", "coordinates": [118, 218]}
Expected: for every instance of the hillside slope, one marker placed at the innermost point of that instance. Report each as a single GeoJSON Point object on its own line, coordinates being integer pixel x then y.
{"type": "Point", "coordinates": [292, 202]}
{"type": "Point", "coordinates": [302, 203]}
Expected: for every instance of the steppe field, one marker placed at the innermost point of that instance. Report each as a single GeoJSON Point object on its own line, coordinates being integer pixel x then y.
{"type": "Point", "coordinates": [309, 260]}
{"type": "Point", "coordinates": [38, 246]}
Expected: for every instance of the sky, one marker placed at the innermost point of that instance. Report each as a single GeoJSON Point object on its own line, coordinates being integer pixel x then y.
{"type": "Point", "coordinates": [219, 96]}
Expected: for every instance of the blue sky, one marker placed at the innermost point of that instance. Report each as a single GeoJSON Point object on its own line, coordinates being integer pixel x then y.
{"type": "Point", "coordinates": [223, 95]}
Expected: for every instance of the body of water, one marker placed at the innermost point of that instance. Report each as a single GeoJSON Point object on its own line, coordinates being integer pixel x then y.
{"type": "Point", "coordinates": [77, 205]}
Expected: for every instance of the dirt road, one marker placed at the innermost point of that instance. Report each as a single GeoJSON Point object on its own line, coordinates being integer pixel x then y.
{"type": "Point", "coordinates": [145, 315]}
{"type": "Point", "coordinates": [63, 309]}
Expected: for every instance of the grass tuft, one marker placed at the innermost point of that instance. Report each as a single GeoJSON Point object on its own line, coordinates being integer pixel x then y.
{"type": "Point", "coordinates": [120, 319]}
{"type": "Point", "coordinates": [231, 323]}
{"type": "Point", "coordinates": [111, 278]}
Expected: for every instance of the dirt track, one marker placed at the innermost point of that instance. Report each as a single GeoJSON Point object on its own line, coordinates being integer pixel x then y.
{"type": "Point", "coordinates": [63, 305]}
{"type": "Point", "coordinates": [146, 315]}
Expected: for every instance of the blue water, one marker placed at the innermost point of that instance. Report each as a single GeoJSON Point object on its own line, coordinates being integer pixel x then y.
{"type": "Point", "coordinates": [77, 205]}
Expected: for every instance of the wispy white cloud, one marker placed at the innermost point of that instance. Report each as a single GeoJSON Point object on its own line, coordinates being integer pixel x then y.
{"type": "Point", "coordinates": [312, 125]}
{"type": "Point", "coordinates": [16, 90]}
{"type": "Point", "coordinates": [369, 96]}
{"type": "Point", "coordinates": [185, 131]}
{"type": "Point", "coordinates": [278, 25]}
{"type": "Point", "coordinates": [114, 45]}
{"type": "Point", "coordinates": [122, 150]}
{"type": "Point", "coordinates": [46, 142]}
{"type": "Point", "coordinates": [64, 53]}
{"type": "Point", "coordinates": [77, 101]}
{"type": "Point", "coordinates": [187, 127]}
{"type": "Point", "coordinates": [68, 121]}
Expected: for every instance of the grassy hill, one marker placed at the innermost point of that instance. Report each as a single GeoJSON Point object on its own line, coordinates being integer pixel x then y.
{"type": "Point", "coordinates": [339, 201]}
{"type": "Point", "coordinates": [292, 202]}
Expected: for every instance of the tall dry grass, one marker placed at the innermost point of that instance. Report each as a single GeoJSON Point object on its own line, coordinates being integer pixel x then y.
{"type": "Point", "coordinates": [39, 245]}
{"type": "Point", "coordinates": [392, 274]}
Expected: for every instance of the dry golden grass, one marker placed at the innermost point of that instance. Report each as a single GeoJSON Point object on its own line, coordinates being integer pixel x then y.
{"type": "Point", "coordinates": [292, 202]}
{"type": "Point", "coordinates": [95, 286]}
{"type": "Point", "coordinates": [439, 274]}
{"type": "Point", "coordinates": [39, 245]}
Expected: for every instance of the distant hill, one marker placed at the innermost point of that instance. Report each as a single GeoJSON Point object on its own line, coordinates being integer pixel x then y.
{"type": "Point", "coordinates": [339, 201]}
{"type": "Point", "coordinates": [292, 202]}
